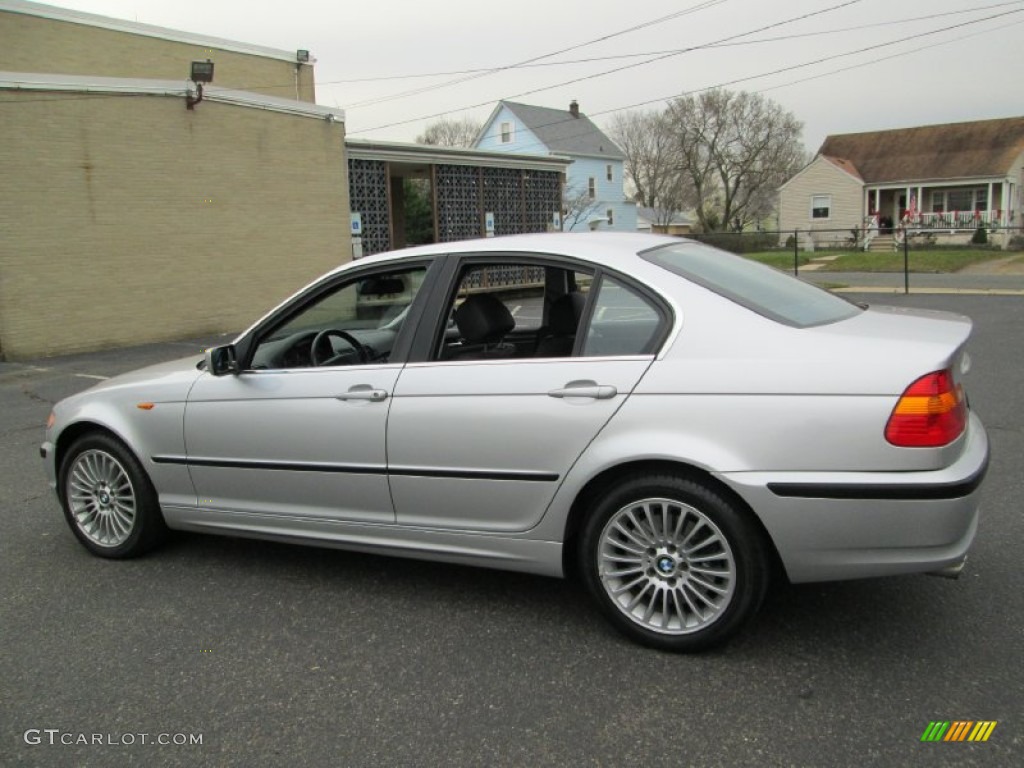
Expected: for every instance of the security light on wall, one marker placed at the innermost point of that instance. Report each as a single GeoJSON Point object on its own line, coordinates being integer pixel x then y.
{"type": "Point", "coordinates": [201, 72]}
{"type": "Point", "coordinates": [302, 56]}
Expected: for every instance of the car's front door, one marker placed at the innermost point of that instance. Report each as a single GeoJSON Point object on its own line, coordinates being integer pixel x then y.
{"type": "Point", "coordinates": [480, 437]}
{"type": "Point", "coordinates": [300, 432]}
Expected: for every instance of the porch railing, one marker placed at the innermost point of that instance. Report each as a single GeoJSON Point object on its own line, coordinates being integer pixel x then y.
{"type": "Point", "coordinates": [955, 220]}
{"type": "Point", "coordinates": [870, 228]}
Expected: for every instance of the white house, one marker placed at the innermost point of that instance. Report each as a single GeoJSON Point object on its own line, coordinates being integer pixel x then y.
{"type": "Point", "coordinates": [947, 180]}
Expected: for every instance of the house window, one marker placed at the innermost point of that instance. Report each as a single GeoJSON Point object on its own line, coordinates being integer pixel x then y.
{"type": "Point", "coordinates": [608, 172]}
{"type": "Point", "coordinates": [611, 218]}
{"type": "Point", "coordinates": [507, 133]}
{"type": "Point", "coordinates": [938, 201]}
{"type": "Point", "coordinates": [821, 206]}
{"type": "Point", "coordinates": [960, 200]}
{"type": "Point", "coordinates": [592, 188]}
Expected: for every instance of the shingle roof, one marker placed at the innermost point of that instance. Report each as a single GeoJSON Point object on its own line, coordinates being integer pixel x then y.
{"type": "Point", "coordinates": [845, 165]}
{"type": "Point", "coordinates": [950, 151]}
{"type": "Point", "coordinates": [561, 132]}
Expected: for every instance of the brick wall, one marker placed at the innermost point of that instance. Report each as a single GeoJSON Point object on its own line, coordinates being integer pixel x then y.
{"type": "Point", "coordinates": [128, 219]}
{"type": "Point", "coordinates": [34, 44]}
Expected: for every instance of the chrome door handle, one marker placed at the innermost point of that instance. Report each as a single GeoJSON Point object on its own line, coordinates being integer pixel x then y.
{"type": "Point", "coordinates": [585, 389]}
{"type": "Point", "coordinates": [364, 392]}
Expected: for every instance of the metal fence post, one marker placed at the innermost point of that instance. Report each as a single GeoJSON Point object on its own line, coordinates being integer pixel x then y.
{"type": "Point", "coordinates": [906, 261]}
{"type": "Point", "coordinates": [796, 252]}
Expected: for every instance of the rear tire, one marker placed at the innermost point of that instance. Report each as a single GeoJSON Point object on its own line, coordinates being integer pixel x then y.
{"type": "Point", "coordinates": [672, 563]}
{"type": "Point", "coordinates": [108, 499]}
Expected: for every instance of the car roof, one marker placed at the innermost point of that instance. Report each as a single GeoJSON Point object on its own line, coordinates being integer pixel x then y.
{"type": "Point", "coordinates": [606, 248]}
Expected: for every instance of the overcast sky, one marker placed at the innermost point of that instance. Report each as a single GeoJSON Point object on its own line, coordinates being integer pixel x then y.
{"type": "Point", "coordinates": [972, 72]}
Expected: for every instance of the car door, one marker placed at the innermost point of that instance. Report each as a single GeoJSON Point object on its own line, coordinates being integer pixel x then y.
{"type": "Point", "coordinates": [300, 431]}
{"type": "Point", "coordinates": [481, 440]}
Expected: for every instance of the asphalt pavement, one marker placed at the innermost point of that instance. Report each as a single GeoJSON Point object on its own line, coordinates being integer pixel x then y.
{"type": "Point", "coordinates": [277, 655]}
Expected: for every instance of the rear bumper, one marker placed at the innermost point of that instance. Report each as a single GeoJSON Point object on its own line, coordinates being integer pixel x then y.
{"type": "Point", "coordinates": [849, 525]}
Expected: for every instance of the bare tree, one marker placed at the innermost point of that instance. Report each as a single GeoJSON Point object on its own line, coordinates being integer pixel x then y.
{"type": "Point", "coordinates": [652, 163]}
{"type": "Point", "coordinates": [735, 150]}
{"type": "Point", "coordinates": [451, 133]}
{"type": "Point", "coordinates": [577, 206]}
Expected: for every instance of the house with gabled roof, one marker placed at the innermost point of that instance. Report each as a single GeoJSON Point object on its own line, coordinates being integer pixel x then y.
{"type": "Point", "coordinates": [946, 180]}
{"type": "Point", "coordinates": [594, 193]}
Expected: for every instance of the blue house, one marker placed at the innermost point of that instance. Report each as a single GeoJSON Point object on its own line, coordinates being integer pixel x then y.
{"type": "Point", "coordinates": [594, 193]}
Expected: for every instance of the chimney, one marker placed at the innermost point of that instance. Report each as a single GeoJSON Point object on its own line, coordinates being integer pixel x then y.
{"type": "Point", "coordinates": [574, 108]}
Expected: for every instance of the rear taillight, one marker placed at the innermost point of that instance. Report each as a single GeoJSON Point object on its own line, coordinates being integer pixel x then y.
{"type": "Point", "coordinates": [930, 413]}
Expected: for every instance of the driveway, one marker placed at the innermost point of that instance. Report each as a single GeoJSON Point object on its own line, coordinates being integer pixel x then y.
{"type": "Point", "coordinates": [279, 655]}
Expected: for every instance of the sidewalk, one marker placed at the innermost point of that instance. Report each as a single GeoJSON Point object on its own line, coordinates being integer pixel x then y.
{"type": "Point", "coordinates": [999, 277]}
{"type": "Point", "coordinates": [920, 282]}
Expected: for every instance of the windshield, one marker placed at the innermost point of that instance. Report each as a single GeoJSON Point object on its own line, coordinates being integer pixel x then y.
{"type": "Point", "coordinates": [757, 287]}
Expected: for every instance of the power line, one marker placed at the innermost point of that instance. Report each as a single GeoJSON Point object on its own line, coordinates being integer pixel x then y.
{"type": "Point", "coordinates": [824, 59]}
{"type": "Point", "coordinates": [801, 66]}
{"type": "Point", "coordinates": [617, 69]}
{"type": "Point", "coordinates": [526, 62]}
{"type": "Point", "coordinates": [613, 57]}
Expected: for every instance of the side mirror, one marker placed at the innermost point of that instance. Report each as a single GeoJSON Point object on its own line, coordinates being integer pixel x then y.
{"type": "Point", "coordinates": [221, 361]}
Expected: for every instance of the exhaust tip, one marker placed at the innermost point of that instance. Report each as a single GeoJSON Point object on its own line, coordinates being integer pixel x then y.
{"type": "Point", "coordinates": [951, 571]}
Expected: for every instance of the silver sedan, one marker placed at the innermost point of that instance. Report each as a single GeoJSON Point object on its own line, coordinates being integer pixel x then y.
{"type": "Point", "coordinates": [673, 423]}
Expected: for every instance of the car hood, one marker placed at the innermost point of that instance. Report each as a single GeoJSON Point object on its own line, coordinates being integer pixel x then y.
{"type": "Point", "coordinates": [162, 382]}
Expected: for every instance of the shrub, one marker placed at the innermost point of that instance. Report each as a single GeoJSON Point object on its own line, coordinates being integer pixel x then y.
{"type": "Point", "coordinates": [740, 242]}
{"type": "Point", "coordinates": [791, 241]}
{"type": "Point", "coordinates": [980, 237]}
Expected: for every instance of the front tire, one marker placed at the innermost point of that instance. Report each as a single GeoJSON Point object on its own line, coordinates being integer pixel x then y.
{"type": "Point", "coordinates": [108, 499]}
{"type": "Point", "coordinates": [672, 563]}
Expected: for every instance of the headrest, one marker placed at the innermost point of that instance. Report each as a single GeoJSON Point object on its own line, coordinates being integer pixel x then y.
{"type": "Point", "coordinates": [565, 313]}
{"type": "Point", "coordinates": [483, 319]}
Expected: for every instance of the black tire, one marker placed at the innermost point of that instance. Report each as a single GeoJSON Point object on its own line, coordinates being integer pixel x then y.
{"type": "Point", "coordinates": [699, 589]}
{"type": "Point", "coordinates": [108, 499]}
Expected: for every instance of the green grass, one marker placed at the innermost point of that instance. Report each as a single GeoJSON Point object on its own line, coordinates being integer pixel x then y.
{"type": "Point", "coordinates": [944, 260]}
{"type": "Point", "coordinates": [919, 261]}
{"type": "Point", "coordinates": [777, 259]}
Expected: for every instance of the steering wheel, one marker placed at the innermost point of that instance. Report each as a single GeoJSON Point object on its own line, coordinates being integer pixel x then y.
{"type": "Point", "coordinates": [352, 341]}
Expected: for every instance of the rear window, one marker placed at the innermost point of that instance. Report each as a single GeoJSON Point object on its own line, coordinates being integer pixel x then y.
{"type": "Point", "coordinates": [759, 288]}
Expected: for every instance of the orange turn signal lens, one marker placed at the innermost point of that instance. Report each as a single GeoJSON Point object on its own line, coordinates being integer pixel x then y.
{"type": "Point", "coordinates": [145, 406]}
{"type": "Point", "coordinates": [50, 420]}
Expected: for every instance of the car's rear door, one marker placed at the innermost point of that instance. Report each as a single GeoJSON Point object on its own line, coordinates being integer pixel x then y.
{"type": "Point", "coordinates": [482, 444]}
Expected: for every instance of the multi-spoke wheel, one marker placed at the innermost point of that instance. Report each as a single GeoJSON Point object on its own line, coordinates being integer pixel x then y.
{"type": "Point", "coordinates": [108, 500]}
{"type": "Point", "coordinates": [672, 563]}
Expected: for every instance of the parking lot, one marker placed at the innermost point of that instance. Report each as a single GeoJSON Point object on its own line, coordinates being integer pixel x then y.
{"type": "Point", "coordinates": [281, 655]}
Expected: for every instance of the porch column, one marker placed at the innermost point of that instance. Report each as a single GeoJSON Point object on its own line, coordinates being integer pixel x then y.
{"type": "Point", "coordinates": [866, 208]}
{"type": "Point", "coordinates": [989, 204]}
{"type": "Point", "coordinates": [1004, 202]}
{"type": "Point", "coordinates": [906, 205]}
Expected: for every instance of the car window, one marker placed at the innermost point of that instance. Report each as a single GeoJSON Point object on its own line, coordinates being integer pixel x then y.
{"type": "Point", "coordinates": [514, 310]}
{"type": "Point", "coordinates": [623, 322]}
{"type": "Point", "coordinates": [757, 287]}
{"type": "Point", "coordinates": [519, 287]}
{"type": "Point", "coordinates": [355, 323]}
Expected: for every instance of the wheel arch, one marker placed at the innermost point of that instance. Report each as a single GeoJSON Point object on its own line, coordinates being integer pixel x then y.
{"type": "Point", "coordinates": [584, 502]}
{"type": "Point", "coordinates": [74, 431]}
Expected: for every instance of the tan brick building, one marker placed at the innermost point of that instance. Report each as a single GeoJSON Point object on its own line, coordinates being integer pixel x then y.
{"type": "Point", "coordinates": [65, 42]}
{"type": "Point", "coordinates": [127, 217]}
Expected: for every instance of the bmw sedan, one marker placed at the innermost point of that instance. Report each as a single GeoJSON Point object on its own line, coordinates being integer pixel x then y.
{"type": "Point", "coordinates": [671, 423]}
